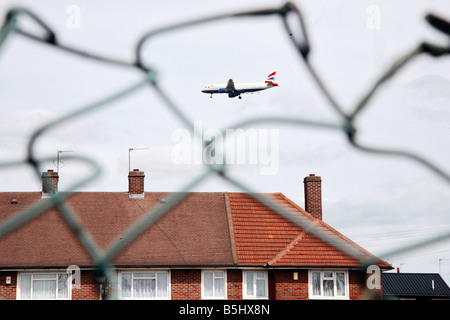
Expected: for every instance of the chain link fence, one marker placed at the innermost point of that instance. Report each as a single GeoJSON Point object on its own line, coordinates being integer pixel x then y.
{"type": "Point", "coordinates": [296, 30]}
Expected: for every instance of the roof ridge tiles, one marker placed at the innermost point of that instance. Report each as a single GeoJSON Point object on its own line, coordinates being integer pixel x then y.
{"type": "Point", "coordinates": [287, 248]}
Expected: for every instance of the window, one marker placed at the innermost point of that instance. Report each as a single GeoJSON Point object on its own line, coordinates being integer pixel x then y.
{"type": "Point", "coordinates": [214, 284]}
{"type": "Point", "coordinates": [328, 284]}
{"type": "Point", "coordinates": [44, 286]}
{"type": "Point", "coordinates": [144, 285]}
{"type": "Point", "coordinates": [255, 285]}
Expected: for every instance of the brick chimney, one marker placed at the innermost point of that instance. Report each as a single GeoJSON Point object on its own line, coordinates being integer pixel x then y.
{"type": "Point", "coordinates": [313, 195]}
{"type": "Point", "coordinates": [136, 184]}
{"type": "Point", "coordinates": [49, 183]}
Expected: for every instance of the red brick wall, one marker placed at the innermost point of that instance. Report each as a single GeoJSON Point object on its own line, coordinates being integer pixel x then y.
{"type": "Point", "coordinates": [234, 286]}
{"type": "Point", "coordinates": [313, 195]}
{"type": "Point", "coordinates": [136, 182]}
{"type": "Point", "coordinates": [358, 288]}
{"type": "Point", "coordinates": [8, 291]}
{"type": "Point", "coordinates": [355, 287]}
{"type": "Point", "coordinates": [282, 285]}
{"type": "Point", "coordinates": [186, 284]}
{"type": "Point", "coordinates": [89, 288]}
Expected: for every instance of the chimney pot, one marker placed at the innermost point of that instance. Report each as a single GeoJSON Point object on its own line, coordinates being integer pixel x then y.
{"type": "Point", "coordinates": [49, 183]}
{"type": "Point", "coordinates": [136, 184]}
{"type": "Point", "coordinates": [313, 195]}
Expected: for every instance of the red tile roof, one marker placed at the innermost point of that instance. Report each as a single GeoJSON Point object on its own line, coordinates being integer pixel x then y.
{"type": "Point", "coordinates": [263, 237]}
{"type": "Point", "coordinates": [205, 229]}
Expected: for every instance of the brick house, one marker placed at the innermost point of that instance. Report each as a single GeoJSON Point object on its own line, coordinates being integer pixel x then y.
{"type": "Point", "coordinates": [212, 245]}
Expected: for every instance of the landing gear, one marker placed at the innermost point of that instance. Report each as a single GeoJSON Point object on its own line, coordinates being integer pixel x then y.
{"type": "Point", "coordinates": [211, 95]}
{"type": "Point", "coordinates": [239, 97]}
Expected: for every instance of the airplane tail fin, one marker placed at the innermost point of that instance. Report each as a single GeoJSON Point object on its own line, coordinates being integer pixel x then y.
{"type": "Point", "coordinates": [271, 79]}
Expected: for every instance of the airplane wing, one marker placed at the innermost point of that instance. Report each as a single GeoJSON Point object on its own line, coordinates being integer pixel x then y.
{"type": "Point", "coordinates": [231, 89]}
{"type": "Point", "coordinates": [230, 86]}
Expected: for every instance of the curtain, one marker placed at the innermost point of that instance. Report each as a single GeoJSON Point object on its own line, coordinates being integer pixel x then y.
{"type": "Point", "coordinates": [162, 285]}
{"type": "Point", "coordinates": [126, 285]}
{"type": "Point", "coordinates": [144, 285]}
{"type": "Point", "coordinates": [44, 289]}
{"type": "Point", "coordinates": [144, 288]}
{"type": "Point", "coordinates": [63, 290]}
{"type": "Point", "coordinates": [249, 282]}
{"type": "Point", "coordinates": [208, 284]}
{"type": "Point", "coordinates": [44, 286]}
{"type": "Point", "coordinates": [340, 283]}
{"type": "Point", "coordinates": [219, 285]}
{"type": "Point", "coordinates": [328, 288]}
{"type": "Point", "coordinates": [315, 277]}
{"type": "Point", "coordinates": [260, 284]}
{"type": "Point", "coordinates": [260, 288]}
{"type": "Point", "coordinates": [25, 286]}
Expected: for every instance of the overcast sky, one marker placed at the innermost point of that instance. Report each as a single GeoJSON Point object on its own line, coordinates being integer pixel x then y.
{"type": "Point", "coordinates": [380, 202]}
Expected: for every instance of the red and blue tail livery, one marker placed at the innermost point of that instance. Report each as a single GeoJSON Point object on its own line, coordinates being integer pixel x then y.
{"type": "Point", "coordinates": [235, 90]}
{"type": "Point", "coordinates": [271, 76]}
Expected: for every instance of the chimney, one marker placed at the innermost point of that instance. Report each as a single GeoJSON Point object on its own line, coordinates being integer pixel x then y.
{"type": "Point", "coordinates": [49, 183]}
{"type": "Point", "coordinates": [136, 184]}
{"type": "Point", "coordinates": [313, 195]}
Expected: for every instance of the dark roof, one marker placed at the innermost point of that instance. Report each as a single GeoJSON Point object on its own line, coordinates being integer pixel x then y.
{"type": "Point", "coordinates": [414, 285]}
{"type": "Point", "coordinates": [205, 229]}
{"type": "Point", "coordinates": [195, 232]}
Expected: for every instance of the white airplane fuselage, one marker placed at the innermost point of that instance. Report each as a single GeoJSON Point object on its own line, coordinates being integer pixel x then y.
{"type": "Point", "coordinates": [240, 87]}
{"type": "Point", "coordinates": [235, 90]}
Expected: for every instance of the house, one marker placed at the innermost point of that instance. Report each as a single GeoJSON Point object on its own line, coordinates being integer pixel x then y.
{"type": "Point", "coordinates": [414, 286]}
{"type": "Point", "coordinates": [211, 245]}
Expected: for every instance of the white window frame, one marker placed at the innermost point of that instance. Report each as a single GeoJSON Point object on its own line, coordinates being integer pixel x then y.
{"type": "Point", "coordinates": [203, 291]}
{"type": "Point", "coordinates": [323, 276]}
{"type": "Point", "coordinates": [33, 279]}
{"type": "Point", "coordinates": [265, 277]}
{"type": "Point", "coordinates": [135, 271]}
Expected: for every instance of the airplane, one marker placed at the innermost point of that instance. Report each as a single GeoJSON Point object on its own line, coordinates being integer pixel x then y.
{"type": "Point", "coordinates": [235, 90]}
